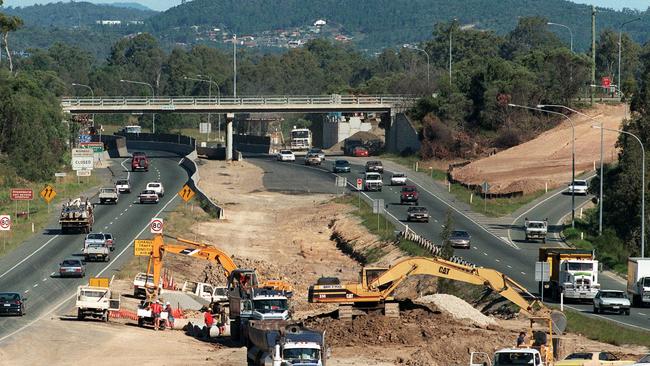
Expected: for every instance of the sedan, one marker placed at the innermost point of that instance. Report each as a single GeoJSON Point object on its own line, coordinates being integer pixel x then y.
{"type": "Point", "coordinates": [460, 239]}
{"type": "Point", "coordinates": [417, 213]}
{"type": "Point", "coordinates": [72, 267]}
{"type": "Point", "coordinates": [317, 151]}
{"type": "Point", "coordinates": [341, 166]}
{"type": "Point", "coordinates": [360, 151]}
{"type": "Point", "coordinates": [578, 187]}
{"type": "Point", "coordinates": [149, 196]}
{"type": "Point", "coordinates": [12, 303]}
{"type": "Point", "coordinates": [611, 300]}
{"type": "Point", "coordinates": [123, 186]}
{"type": "Point", "coordinates": [286, 155]}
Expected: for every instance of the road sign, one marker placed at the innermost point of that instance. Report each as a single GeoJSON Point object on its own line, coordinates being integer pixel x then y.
{"type": "Point", "coordinates": [359, 184]}
{"type": "Point", "coordinates": [84, 172]}
{"type": "Point", "coordinates": [60, 175]}
{"type": "Point", "coordinates": [99, 282]}
{"type": "Point", "coordinates": [84, 138]}
{"type": "Point", "coordinates": [605, 81]}
{"type": "Point", "coordinates": [542, 271]}
{"type": "Point", "coordinates": [80, 163]}
{"type": "Point", "coordinates": [186, 193]}
{"type": "Point", "coordinates": [82, 153]}
{"type": "Point", "coordinates": [142, 248]}
{"type": "Point", "coordinates": [486, 187]}
{"type": "Point", "coordinates": [156, 225]}
{"type": "Point", "coordinates": [19, 194]}
{"type": "Point", "coordinates": [5, 222]}
{"type": "Point", "coordinates": [48, 193]}
{"type": "Point", "coordinates": [96, 147]}
{"type": "Point", "coordinates": [205, 127]}
{"type": "Point", "coordinates": [341, 182]}
{"type": "Point", "coordinates": [377, 206]}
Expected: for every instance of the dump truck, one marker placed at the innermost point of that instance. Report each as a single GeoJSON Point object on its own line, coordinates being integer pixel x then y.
{"type": "Point", "coordinates": [574, 272]}
{"type": "Point", "coordinates": [280, 343]}
{"type": "Point", "coordinates": [96, 300]}
{"type": "Point", "coordinates": [77, 215]}
{"type": "Point", "coordinates": [638, 280]}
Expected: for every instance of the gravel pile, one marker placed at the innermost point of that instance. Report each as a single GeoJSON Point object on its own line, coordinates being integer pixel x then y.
{"type": "Point", "coordinates": [457, 308]}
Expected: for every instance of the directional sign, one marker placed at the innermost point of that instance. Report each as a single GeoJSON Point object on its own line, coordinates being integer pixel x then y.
{"type": "Point", "coordinates": [142, 248]}
{"type": "Point", "coordinates": [60, 175]}
{"type": "Point", "coordinates": [341, 182]}
{"type": "Point", "coordinates": [542, 271]}
{"type": "Point", "coordinates": [96, 147]}
{"type": "Point", "coordinates": [5, 222]}
{"type": "Point", "coordinates": [205, 127]}
{"type": "Point", "coordinates": [82, 153]}
{"type": "Point", "coordinates": [186, 193]}
{"type": "Point", "coordinates": [84, 138]}
{"type": "Point", "coordinates": [18, 194]}
{"type": "Point", "coordinates": [359, 184]}
{"type": "Point", "coordinates": [83, 173]}
{"type": "Point", "coordinates": [377, 206]}
{"type": "Point", "coordinates": [156, 225]}
{"type": "Point", "coordinates": [48, 193]}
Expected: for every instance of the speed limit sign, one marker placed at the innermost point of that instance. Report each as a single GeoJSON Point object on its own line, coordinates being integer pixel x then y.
{"type": "Point", "coordinates": [156, 225]}
{"type": "Point", "coordinates": [5, 222]}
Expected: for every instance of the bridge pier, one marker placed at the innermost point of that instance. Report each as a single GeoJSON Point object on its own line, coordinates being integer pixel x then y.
{"type": "Point", "coordinates": [229, 118]}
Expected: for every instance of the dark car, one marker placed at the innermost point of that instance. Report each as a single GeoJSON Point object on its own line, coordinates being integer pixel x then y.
{"type": "Point", "coordinates": [341, 166]}
{"type": "Point", "coordinates": [12, 303]}
{"type": "Point", "coordinates": [460, 239]}
{"type": "Point", "coordinates": [374, 166]}
{"type": "Point", "coordinates": [417, 213]}
{"type": "Point", "coordinates": [72, 267]}
{"type": "Point", "coordinates": [409, 194]}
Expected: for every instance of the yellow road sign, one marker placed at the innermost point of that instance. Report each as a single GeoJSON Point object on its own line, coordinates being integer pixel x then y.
{"type": "Point", "coordinates": [99, 282]}
{"type": "Point", "coordinates": [48, 193]}
{"type": "Point", "coordinates": [186, 193]}
{"type": "Point", "coordinates": [142, 247]}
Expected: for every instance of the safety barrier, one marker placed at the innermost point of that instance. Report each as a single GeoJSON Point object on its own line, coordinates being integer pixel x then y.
{"type": "Point", "coordinates": [435, 250]}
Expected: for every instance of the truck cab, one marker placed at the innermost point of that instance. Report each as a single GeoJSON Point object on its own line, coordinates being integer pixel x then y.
{"type": "Point", "coordinates": [580, 279]}
{"type": "Point", "coordinates": [373, 181]}
{"type": "Point", "coordinates": [536, 229]}
{"type": "Point", "coordinates": [518, 356]}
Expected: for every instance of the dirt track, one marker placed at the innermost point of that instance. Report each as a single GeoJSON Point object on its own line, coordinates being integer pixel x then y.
{"type": "Point", "coordinates": [547, 159]}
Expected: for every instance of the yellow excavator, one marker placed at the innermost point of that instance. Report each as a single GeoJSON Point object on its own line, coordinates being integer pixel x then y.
{"type": "Point", "coordinates": [201, 251]}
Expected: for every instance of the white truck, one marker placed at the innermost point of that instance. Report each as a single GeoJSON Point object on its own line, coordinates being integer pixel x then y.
{"type": "Point", "coordinates": [206, 291]}
{"type": "Point", "coordinates": [277, 343]}
{"type": "Point", "coordinates": [574, 272]}
{"type": "Point", "coordinates": [95, 301]}
{"type": "Point", "coordinates": [108, 195]}
{"type": "Point", "coordinates": [536, 230]}
{"type": "Point", "coordinates": [638, 281]}
{"type": "Point", "coordinates": [139, 289]}
{"type": "Point", "coordinates": [398, 179]}
{"type": "Point", "coordinates": [373, 182]}
{"type": "Point", "coordinates": [96, 248]}
{"type": "Point", "coordinates": [509, 357]}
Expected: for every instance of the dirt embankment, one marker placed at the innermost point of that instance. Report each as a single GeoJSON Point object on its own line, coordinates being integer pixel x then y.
{"type": "Point", "coordinates": [547, 159]}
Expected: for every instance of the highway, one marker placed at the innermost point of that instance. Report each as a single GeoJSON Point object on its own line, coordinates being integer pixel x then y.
{"type": "Point", "coordinates": [32, 267]}
{"type": "Point", "coordinates": [515, 258]}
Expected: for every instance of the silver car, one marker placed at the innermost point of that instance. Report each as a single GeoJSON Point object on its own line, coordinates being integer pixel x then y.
{"type": "Point", "coordinates": [460, 239]}
{"type": "Point", "coordinates": [611, 300]}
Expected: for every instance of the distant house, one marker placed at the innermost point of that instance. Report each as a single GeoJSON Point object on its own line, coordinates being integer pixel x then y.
{"type": "Point", "coordinates": [342, 38]}
{"type": "Point", "coordinates": [135, 22]}
{"type": "Point", "coordinates": [320, 23]}
{"type": "Point", "coordinates": [108, 22]}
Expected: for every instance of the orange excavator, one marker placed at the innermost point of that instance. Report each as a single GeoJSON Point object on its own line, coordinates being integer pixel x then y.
{"type": "Point", "coordinates": [199, 251]}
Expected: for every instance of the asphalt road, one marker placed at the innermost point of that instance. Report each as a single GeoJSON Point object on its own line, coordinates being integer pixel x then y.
{"type": "Point", "coordinates": [32, 268]}
{"type": "Point", "coordinates": [515, 258]}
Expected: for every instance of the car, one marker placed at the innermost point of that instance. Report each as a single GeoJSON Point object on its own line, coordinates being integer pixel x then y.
{"type": "Point", "coordinates": [123, 186]}
{"type": "Point", "coordinates": [460, 239]}
{"type": "Point", "coordinates": [72, 267]}
{"type": "Point", "coordinates": [156, 187]}
{"type": "Point", "coordinates": [317, 151]}
{"type": "Point", "coordinates": [286, 155]}
{"type": "Point", "coordinates": [409, 194]}
{"type": "Point", "coordinates": [110, 241]}
{"type": "Point", "coordinates": [360, 151]}
{"type": "Point", "coordinates": [312, 159]}
{"type": "Point", "coordinates": [398, 179]}
{"type": "Point", "coordinates": [341, 166]}
{"type": "Point", "coordinates": [149, 196]}
{"type": "Point", "coordinates": [374, 166]}
{"type": "Point", "coordinates": [138, 153]}
{"type": "Point", "coordinates": [578, 187]}
{"type": "Point", "coordinates": [592, 358]}
{"type": "Point", "coordinates": [139, 162]}
{"type": "Point", "coordinates": [612, 300]}
{"type": "Point", "coordinates": [12, 303]}
{"type": "Point", "coordinates": [644, 361]}
{"type": "Point", "coordinates": [417, 213]}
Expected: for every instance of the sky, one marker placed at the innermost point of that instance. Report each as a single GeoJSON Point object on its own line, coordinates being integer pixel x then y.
{"type": "Point", "coordinates": [166, 4]}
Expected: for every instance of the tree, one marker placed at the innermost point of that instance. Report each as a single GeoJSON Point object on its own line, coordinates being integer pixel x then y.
{"type": "Point", "coordinates": [445, 235]}
{"type": "Point", "coordinates": [530, 34]}
{"type": "Point", "coordinates": [9, 24]}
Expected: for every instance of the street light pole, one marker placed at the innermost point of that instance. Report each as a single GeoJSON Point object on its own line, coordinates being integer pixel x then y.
{"type": "Point", "coordinates": [413, 47]}
{"type": "Point", "coordinates": [570, 32]}
{"type": "Point", "coordinates": [573, 153]}
{"type": "Point", "coordinates": [201, 78]}
{"type": "Point", "coordinates": [93, 94]}
{"type": "Point", "coordinates": [234, 66]}
{"type": "Point", "coordinates": [642, 183]}
{"type": "Point", "coordinates": [451, 28]}
{"type": "Point", "coordinates": [620, 36]}
{"type": "Point", "coordinates": [153, 95]}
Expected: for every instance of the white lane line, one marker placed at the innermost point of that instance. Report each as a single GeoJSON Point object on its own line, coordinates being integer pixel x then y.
{"type": "Point", "coordinates": [29, 256]}
{"type": "Point", "coordinates": [110, 223]}
{"type": "Point", "coordinates": [105, 227]}
{"type": "Point", "coordinates": [604, 317]}
{"type": "Point", "coordinates": [484, 253]}
{"type": "Point", "coordinates": [126, 209]}
{"type": "Point", "coordinates": [523, 273]}
{"type": "Point", "coordinates": [509, 266]}
{"type": "Point", "coordinates": [128, 172]}
{"type": "Point", "coordinates": [475, 248]}
{"type": "Point", "coordinates": [497, 260]}
{"type": "Point", "coordinates": [641, 314]}
{"type": "Point", "coordinates": [35, 285]}
{"type": "Point", "coordinates": [26, 291]}
{"type": "Point", "coordinates": [57, 306]}
{"type": "Point", "coordinates": [52, 274]}
{"type": "Point", "coordinates": [121, 213]}
{"type": "Point", "coordinates": [131, 205]}
{"type": "Point", "coordinates": [44, 279]}
{"type": "Point", "coordinates": [435, 220]}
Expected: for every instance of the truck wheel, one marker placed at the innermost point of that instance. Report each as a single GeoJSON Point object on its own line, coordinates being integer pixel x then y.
{"type": "Point", "coordinates": [80, 315]}
{"type": "Point", "coordinates": [107, 258]}
{"type": "Point", "coordinates": [105, 316]}
{"type": "Point", "coordinates": [140, 322]}
{"type": "Point", "coordinates": [235, 331]}
{"type": "Point", "coordinates": [595, 310]}
{"type": "Point", "coordinates": [627, 312]}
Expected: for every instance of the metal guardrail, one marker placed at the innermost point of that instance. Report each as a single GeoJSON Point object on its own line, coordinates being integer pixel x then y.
{"type": "Point", "coordinates": [172, 102]}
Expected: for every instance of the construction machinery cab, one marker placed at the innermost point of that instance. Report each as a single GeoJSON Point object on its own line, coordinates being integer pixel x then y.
{"type": "Point", "coordinates": [243, 279]}
{"type": "Point", "coordinates": [369, 274]}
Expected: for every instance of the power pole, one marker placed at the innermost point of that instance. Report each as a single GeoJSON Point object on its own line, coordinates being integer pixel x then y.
{"type": "Point", "coordinates": [593, 51]}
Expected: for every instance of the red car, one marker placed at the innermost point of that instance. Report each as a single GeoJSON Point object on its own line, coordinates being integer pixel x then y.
{"type": "Point", "coordinates": [360, 151]}
{"type": "Point", "coordinates": [139, 162]}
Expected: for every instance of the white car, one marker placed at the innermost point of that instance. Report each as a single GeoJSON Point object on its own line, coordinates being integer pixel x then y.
{"type": "Point", "coordinates": [317, 151]}
{"type": "Point", "coordinates": [578, 187]}
{"type": "Point", "coordinates": [156, 187]}
{"type": "Point", "coordinates": [123, 186]}
{"type": "Point", "coordinates": [286, 155]}
{"type": "Point", "coordinates": [398, 179]}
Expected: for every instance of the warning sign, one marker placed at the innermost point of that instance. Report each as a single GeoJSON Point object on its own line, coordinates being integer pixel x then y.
{"type": "Point", "coordinates": [142, 248]}
{"type": "Point", "coordinates": [186, 193]}
{"type": "Point", "coordinates": [48, 193]}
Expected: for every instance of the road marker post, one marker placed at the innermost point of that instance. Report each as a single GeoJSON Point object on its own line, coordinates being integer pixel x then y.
{"type": "Point", "coordinates": [471, 198]}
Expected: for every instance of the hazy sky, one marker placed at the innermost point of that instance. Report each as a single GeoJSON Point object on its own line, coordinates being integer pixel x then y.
{"type": "Point", "coordinates": [165, 4]}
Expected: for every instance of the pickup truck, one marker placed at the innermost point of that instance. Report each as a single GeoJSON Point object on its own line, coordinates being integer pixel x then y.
{"type": "Point", "coordinates": [96, 248]}
{"type": "Point", "coordinates": [148, 196]}
{"type": "Point", "coordinates": [108, 195]}
{"type": "Point", "coordinates": [536, 230]}
{"type": "Point", "coordinates": [409, 194]}
{"type": "Point", "coordinates": [206, 291]}
{"type": "Point", "coordinates": [156, 187]}
{"type": "Point", "coordinates": [139, 284]}
{"type": "Point", "coordinates": [373, 181]}
{"type": "Point", "coordinates": [96, 302]}
{"type": "Point", "coordinates": [123, 186]}
{"type": "Point", "coordinates": [398, 179]}
{"type": "Point", "coordinates": [312, 159]}
{"type": "Point", "coordinates": [374, 166]}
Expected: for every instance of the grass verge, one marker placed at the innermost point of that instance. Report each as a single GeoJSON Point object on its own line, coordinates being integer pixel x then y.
{"type": "Point", "coordinates": [492, 207]}
{"type": "Point", "coordinates": [376, 224]}
{"type": "Point", "coordinates": [409, 163]}
{"type": "Point", "coordinates": [605, 331]}
{"type": "Point", "coordinates": [21, 228]}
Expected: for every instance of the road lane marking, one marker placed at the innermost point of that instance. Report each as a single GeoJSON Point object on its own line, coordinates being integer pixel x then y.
{"type": "Point", "coordinates": [35, 285]}
{"type": "Point", "coordinates": [497, 260]}
{"type": "Point", "coordinates": [52, 274]}
{"type": "Point", "coordinates": [26, 291]}
{"type": "Point", "coordinates": [29, 256]}
{"type": "Point", "coordinates": [509, 266]}
{"type": "Point", "coordinates": [128, 172]}
{"type": "Point", "coordinates": [110, 223]}
{"type": "Point", "coordinates": [105, 227]}
{"type": "Point", "coordinates": [523, 273]}
{"type": "Point", "coordinates": [475, 248]}
{"type": "Point", "coordinates": [484, 253]}
{"type": "Point", "coordinates": [641, 314]}
{"type": "Point", "coordinates": [44, 279]}
{"type": "Point", "coordinates": [57, 306]}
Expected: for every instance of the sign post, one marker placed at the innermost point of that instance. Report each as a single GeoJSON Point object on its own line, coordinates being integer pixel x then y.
{"type": "Point", "coordinates": [48, 193]}
{"type": "Point", "coordinates": [486, 190]}
{"type": "Point", "coordinates": [377, 208]}
{"type": "Point", "coordinates": [5, 225]}
{"type": "Point", "coordinates": [359, 188]}
{"type": "Point", "coordinates": [22, 194]}
{"type": "Point", "coordinates": [542, 274]}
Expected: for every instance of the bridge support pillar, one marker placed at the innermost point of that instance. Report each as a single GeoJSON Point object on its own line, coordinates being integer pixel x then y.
{"type": "Point", "coordinates": [229, 118]}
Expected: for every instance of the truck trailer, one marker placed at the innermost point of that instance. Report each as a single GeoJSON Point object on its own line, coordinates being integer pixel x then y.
{"type": "Point", "coordinates": [638, 281]}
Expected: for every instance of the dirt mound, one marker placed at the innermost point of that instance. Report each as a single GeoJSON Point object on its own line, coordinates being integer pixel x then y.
{"type": "Point", "coordinates": [457, 308]}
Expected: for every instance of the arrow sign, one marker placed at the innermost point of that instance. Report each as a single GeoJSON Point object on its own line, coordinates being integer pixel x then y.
{"type": "Point", "coordinates": [186, 193]}
{"type": "Point", "coordinates": [48, 193]}
{"type": "Point", "coordinates": [156, 225]}
{"type": "Point", "coordinates": [5, 222]}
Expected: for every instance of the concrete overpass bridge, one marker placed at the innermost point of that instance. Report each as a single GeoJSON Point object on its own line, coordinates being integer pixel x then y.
{"type": "Point", "coordinates": [388, 105]}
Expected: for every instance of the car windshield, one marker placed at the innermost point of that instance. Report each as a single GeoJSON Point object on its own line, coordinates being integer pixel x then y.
{"type": "Point", "coordinates": [122, 182]}
{"type": "Point", "coordinates": [513, 358]}
{"type": "Point", "coordinates": [612, 294]}
{"type": "Point", "coordinates": [646, 282]}
{"type": "Point", "coordinates": [300, 134]}
{"type": "Point", "coordinates": [108, 190]}
{"type": "Point", "coordinates": [95, 236]}
{"type": "Point", "coordinates": [301, 354]}
{"type": "Point", "coordinates": [536, 225]}
{"type": "Point", "coordinates": [579, 183]}
{"type": "Point", "coordinates": [270, 305]}
{"type": "Point", "coordinates": [408, 189]}
{"type": "Point", "coordinates": [220, 291]}
{"type": "Point", "coordinates": [154, 185]}
{"type": "Point", "coordinates": [460, 234]}
{"type": "Point", "coordinates": [398, 175]}
{"type": "Point", "coordinates": [342, 162]}
{"type": "Point", "coordinates": [71, 263]}
{"type": "Point", "coordinates": [580, 266]}
{"type": "Point", "coordinates": [148, 192]}
{"type": "Point", "coordinates": [285, 152]}
{"type": "Point", "coordinates": [579, 356]}
{"type": "Point", "coordinates": [417, 209]}
{"type": "Point", "coordinates": [9, 297]}
{"type": "Point", "coordinates": [108, 236]}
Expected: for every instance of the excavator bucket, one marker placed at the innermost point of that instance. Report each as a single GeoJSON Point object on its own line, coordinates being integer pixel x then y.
{"type": "Point", "coordinates": [558, 321]}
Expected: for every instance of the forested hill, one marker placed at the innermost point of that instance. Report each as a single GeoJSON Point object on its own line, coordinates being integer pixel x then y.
{"type": "Point", "coordinates": [381, 23]}
{"type": "Point", "coordinates": [74, 14]}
